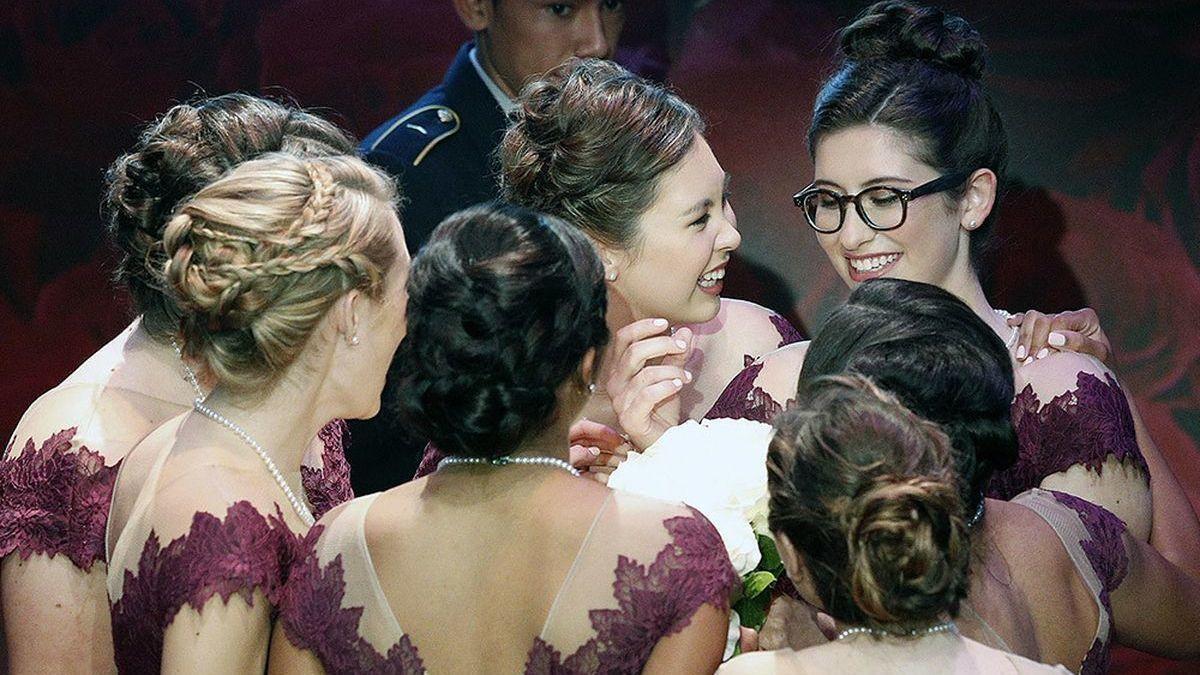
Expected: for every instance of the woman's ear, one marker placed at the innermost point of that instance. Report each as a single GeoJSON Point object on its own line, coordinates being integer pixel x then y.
{"type": "Point", "coordinates": [979, 198]}
{"type": "Point", "coordinates": [345, 315]}
{"type": "Point", "coordinates": [797, 570]}
{"type": "Point", "coordinates": [613, 259]}
{"type": "Point", "coordinates": [587, 368]}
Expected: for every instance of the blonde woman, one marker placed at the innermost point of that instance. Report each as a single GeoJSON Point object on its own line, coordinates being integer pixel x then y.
{"type": "Point", "coordinates": [290, 276]}
{"type": "Point", "coordinates": [58, 471]}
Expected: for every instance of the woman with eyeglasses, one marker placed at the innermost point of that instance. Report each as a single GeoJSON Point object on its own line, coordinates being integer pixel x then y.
{"type": "Point", "coordinates": [909, 153]}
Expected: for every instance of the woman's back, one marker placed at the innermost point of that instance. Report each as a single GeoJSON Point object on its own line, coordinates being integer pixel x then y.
{"type": "Point", "coordinates": [1028, 595]}
{"type": "Point", "coordinates": [484, 574]}
{"type": "Point", "coordinates": [947, 653]}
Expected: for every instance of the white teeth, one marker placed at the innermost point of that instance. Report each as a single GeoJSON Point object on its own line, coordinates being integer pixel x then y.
{"type": "Point", "coordinates": [872, 264]}
{"type": "Point", "coordinates": [710, 279]}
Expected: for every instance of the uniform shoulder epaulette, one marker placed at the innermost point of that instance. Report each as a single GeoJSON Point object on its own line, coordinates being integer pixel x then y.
{"type": "Point", "coordinates": [424, 128]}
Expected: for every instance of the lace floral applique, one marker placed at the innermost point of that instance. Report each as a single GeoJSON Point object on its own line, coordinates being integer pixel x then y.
{"type": "Point", "coordinates": [1105, 551]}
{"type": "Point", "coordinates": [329, 486]}
{"type": "Point", "coordinates": [238, 555]}
{"type": "Point", "coordinates": [653, 602]}
{"type": "Point", "coordinates": [742, 400]}
{"type": "Point", "coordinates": [429, 461]}
{"type": "Point", "coordinates": [787, 332]}
{"type": "Point", "coordinates": [55, 499]}
{"type": "Point", "coordinates": [692, 570]}
{"type": "Point", "coordinates": [1083, 426]}
{"type": "Point", "coordinates": [314, 619]}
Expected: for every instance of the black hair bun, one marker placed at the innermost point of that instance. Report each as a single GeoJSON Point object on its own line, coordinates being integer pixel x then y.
{"type": "Point", "coordinates": [503, 304]}
{"type": "Point", "coordinates": [897, 29]}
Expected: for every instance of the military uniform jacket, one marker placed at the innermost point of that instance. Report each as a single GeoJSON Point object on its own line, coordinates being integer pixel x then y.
{"type": "Point", "coordinates": [441, 149]}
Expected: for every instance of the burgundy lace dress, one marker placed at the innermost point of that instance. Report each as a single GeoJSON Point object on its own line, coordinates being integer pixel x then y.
{"type": "Point", "coordinates": [172, 546]}
{"type": "Point", "coordinates": [722, 407]}
{"type": "Point", "coordinates": [1093, 537]}
{"type": "Point", "coordinates": [55, 493]}
{"type": "Point", "coordinates": [644, 569]}
{"type": "Point", "coordinates": [239, 554]}
{"type": "Point", "coordinates": [1086, 425]}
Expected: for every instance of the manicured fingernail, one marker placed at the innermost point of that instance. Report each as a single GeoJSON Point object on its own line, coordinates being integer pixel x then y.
{"type": "Point", "coordinates": [687, 375]}
{"type": "Point", "coordinates": [1021, 353]}
{"type": "Point", "coordinates": [1025, 361]}
{"type": "Point", "coordinates": [1057, 339]}
{"type": "Point", "coordinates": [682, 344]}
{"type": "Point", "coordinates": [677, 382]}
{"type": "Point", "coordinates": [594, 451]}
{"type": "Point", "coordinates": [660, 322]}
{"type": "Point", "coordinates": [1045, 351]}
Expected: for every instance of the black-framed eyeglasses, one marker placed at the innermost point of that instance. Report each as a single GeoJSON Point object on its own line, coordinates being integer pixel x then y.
{"type": "Point", "coordinates": [881, 207]}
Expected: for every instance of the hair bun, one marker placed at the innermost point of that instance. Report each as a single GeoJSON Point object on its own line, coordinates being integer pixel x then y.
{"type": "Point", "coordinates": [908, 548]}
{"type": "Point", "coordinates": [896, 29]}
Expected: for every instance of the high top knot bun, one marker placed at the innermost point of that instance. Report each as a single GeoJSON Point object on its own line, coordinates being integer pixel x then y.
{"type": "Point", "coordinates": [896, 29]}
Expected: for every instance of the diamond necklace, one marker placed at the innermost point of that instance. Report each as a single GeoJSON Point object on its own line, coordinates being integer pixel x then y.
{"type": "Point", "coordinates": [509, 459]}
{"type": "Point", "coordinates": [298, 505]}
{"type": "Point", "coordinates": [944, 627]}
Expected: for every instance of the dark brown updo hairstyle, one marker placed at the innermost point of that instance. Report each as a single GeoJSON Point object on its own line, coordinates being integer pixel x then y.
{"type": "Point", "coordinates": [588, 143]}
{"type": "Point", "coordinates": [190, 146]}
{"type": "Point", "coordinates": [866, 492]}
{"type": "Point", "coordinates": [503, 304]}
{"type": "Point", "coordinates": [916, 70]}
{"type": "Point", "coordinates": [256, 258]}
{"type": "Point", "coordinates": [930, 350]}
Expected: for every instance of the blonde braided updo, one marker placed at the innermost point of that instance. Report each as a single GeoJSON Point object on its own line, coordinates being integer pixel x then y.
{"type": "Point", "coordinates": [256, 258]}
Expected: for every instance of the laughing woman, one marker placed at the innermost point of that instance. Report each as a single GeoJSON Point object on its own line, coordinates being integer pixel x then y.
{"type": "Point", "coordinates": [908, 155]}
{"type": "Point", "coordinates": [627, 163]}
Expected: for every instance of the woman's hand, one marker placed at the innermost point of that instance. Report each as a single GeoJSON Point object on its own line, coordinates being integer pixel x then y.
{"type": "Point", "coordinates": [597, 449]}
{"type": "Point", "coordinates": [645, 381]}
{"type": "Point", "coordinates": [1076, 331]}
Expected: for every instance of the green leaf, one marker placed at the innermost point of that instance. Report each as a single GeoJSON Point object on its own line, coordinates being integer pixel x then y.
{"type": "Point", "coordinates": [756, 583]}
{"type": "Point", "coordinates": [753, 611]}
{"type": "Point", "coordinates": [771, 561]}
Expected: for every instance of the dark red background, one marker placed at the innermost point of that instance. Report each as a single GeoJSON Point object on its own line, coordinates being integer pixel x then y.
{"type": "Point", "coordinates": [1101, 99]}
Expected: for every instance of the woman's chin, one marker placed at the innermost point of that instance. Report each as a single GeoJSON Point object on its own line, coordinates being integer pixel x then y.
{"type": "Point", "coordinates": [702, 310]}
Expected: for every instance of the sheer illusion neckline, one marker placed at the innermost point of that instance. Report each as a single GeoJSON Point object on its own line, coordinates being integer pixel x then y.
{"type": "Point", "coordinates": [394, 620]}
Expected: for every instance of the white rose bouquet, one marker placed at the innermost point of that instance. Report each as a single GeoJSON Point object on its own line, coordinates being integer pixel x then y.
{"type": "Point", "coordinates": [718, 467]}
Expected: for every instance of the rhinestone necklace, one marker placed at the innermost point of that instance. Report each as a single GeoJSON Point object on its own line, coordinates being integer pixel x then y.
{"type": "Point", "coordinates": [944, 627]}
{"type": "Point", "coordinates": [509, 459]}
{"type": "Point", "coordinates": [298, 505]}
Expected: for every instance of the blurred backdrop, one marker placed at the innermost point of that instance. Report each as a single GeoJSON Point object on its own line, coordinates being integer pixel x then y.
{"type": "Point", "coordinates": [1101, 99]}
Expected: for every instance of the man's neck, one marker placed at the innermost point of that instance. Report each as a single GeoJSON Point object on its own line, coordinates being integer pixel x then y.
{"type": "Point", "coordinates": [503, 93]}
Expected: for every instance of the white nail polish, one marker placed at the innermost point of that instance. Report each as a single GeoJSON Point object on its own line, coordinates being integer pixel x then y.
{"type": "Point", "coordinates": [1021, 353]}
{"type": "Point", "coordinates": [1043, 353]}
{"type": "Point", "coordinates": [682, 344]}
{"type": "Point", "coordinates": [677, 382]}
{"type": "Point", "coordinates": [687, 375]}
{"type": "Point", "coordinates": [660, 322]}
{"type": "Point", "coordinates": [1057, 339]}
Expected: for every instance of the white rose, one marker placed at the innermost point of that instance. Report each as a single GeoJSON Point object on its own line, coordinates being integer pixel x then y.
{"type": "Point", "coordinates": [716, 466]}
